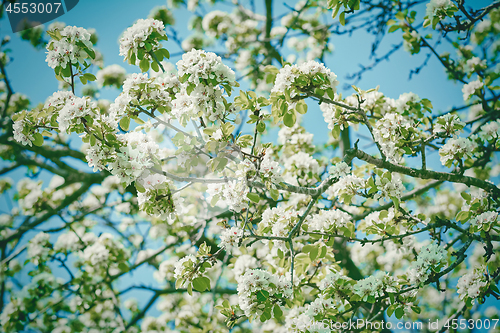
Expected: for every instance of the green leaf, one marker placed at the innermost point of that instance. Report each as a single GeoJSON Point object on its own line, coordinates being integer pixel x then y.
{"type": "Point", "coordinates": [159, 55]}
{"type": "Point", "coordinates": [277, 311]}
{"type": "Point", "coordinates": [254, 197]}
{"type": "Point", "coordinates": [313, 254]}
{"type": "Point", "coordinates": [166, 54]}
{"type": "Point", "coordinates": [463, 216]}
{"type": "Point", "coordinates": [336, 131]}
{"type": "Point", "coordinates": [261, 127]}
{"type": "Point", "coordinates": [383, 214]}
{"type": "Point", "coordinates": [37, 139]}
{"type": "Point", "coordinates": [220, 163]}
{"type": "Point", "coordinates": [394, 28]}
{"type": "Point", "coordinates": [200, 284]}
{"type": "Point", "coordinates": [289, 119]}
{"type": "Point", "coordinates": [190, 289]}
{"type": "Point", "coordinates": [342, 18]}
{"type": "Point", "coordinates": [416, 309]}
{"type": "Point", "coordinates": [123, 267]}
{"type": "Point", "coordinates": [275, 194]}
{"type": "Point", "coordinates": [301, 107]}
{"type": "Point", "coordinates": [266, 315]}
{"type": "Point", "coordinates": [139, 187]}
{"type": "Point", "coordinates": [144, 65]}
{"type": "Point", "coordinates": [336, 10]}
{"type": "Point", "coordinates": [125, 123]}
{"type": "Point", "coordinates": [90, 77]}
{"type": "Point", "coordinates": [155, 67]}
{"type": "Point", "coordinates": [83, 80]}
{"type": "Point", "coordinates": [399, 313]}
{"type": "Point", "coordinates": [400, 15]}
{"type": "Point", "coordinates": [262, 295]}
{"type": "Point", "coordinates": [390, 309]}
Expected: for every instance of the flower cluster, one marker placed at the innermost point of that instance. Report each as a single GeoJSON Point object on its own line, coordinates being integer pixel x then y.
{"type": "Point", "coordinates": [278, 222]}
{"type": "Point", "coordinates": [216, 23]}
{"type": "Point", "coordinates": [431, 257]}
{"type": "Point", "coordinates": [74, 112]}
{"type": "Point", "coordinates": [26, 123]}
{"type": "Point", "coordinates": [305, 78]}
{"type": "Point", "coordinates": [111, 76]}
{"type": "Point", "coordinates": [141, 91]}
{"type": "Point", "coordinates": [73, 241]}
{"type": "Point", "coordinates": [328, 221]}
{"type": "Point", "coordinates": [134, 156]}
{"type": "Point", "coordinates": [157, 198]}
{"type": "Point", "coordinates": [340, 170]}
{"type": "Point", "coordinates": [390, 186]}
{"type": "Point", "coordinates": [490, 131]}
{"type": "Point", "coordinates": [472, 284]}
{"type": "Point", "coordinates": [346, 188]}
{"type": "Point", "coordinates": [26, 300]}
{"type": "Point", "coordinates": [234, 194]}
{"type": "Point", "coordinates": [70, 45]}
{"type": "Point", "coordinates": [140, 39]}
{"type": "Point", "coordinates": [29, 195]}
{"type": "Point", "coordinates": [390, 132]}
{"type": "Point", "coordinates": [230, 238]}
{"type": "Point", "coordinates": [295, 139]}
{"type": "Point", "coordinates": [319, 306]}
{"type": "Point", "coordinates": [103, 255]}
{"type": "Point", "coordinates": [185, 268]}
{"type": "Point", "coordinates": [39, 248]}
{"type": "Point", "coordinates": [436, 7]}
{"type": "Point", "coordinates": [455, 149]}
{"type": "Point", "coordinates": [437, 10]}
{"type": "Point", "coordinates": [303, 166]}
{"type": "Point", "coordinates": [375, 221]}
{"type": "Point", "coordinates": [483, 221]}
{"type": "Point", "coordinates": [242, 264]}
{"type": "Point", "coordinates": [470, 88]}
{"type": "Point", "coordinates": [22, 132]}
{"type": "Point", "coordinates": [375, 285]}
{"type": "Point", "coordinates": [449, 124]}
{"type": "Point", "coordinates": [258, 290]}
{"type": "Point", "coordinates": [332, 280]}
{"type": "Point", "coordinates": [269, 172]}
{"type": "Point", "coordinates": [475, 64]}
{"type": "Point", "coordinates": [202, 73]}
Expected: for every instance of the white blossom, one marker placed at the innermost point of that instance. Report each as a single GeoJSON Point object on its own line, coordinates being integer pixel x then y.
{"type": "Point", "coordinates": [230, 238]}
{"type": "Point", "coordinates": [449, 124]}
{"type": "Point", "coordinates": [256, 280]}
{"type": "Point", "coordinates": [456, 148]}
{"type": "Point", "coordinates": [134, 37]}
{"type": "Point", "coordinates": [470, 284]}
{"type": "Point", "coordinates": [389, 187]}
{"type": "Point", "coordinates": [436, 7]}
{"type": "Point", "coordinates": [430, 256]}
{"type": "Point", "coordinates": [65, 50]}
{"type": "Point", "coordinates": [485, 218]}
{"type": "Point", "coordinates": [470, 88]}
{"type": "Point", "coordinates": [490, 131]}
{"type": "Point", "coordinates": [325, 220]}
{"type": "Point", "coordinates": [39, 247]}
{"type": "Point", "coordinates": [340, 169]}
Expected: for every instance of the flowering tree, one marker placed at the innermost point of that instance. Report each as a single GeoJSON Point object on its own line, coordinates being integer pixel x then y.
{"type": "Point", "coordinates": [241, 233]}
